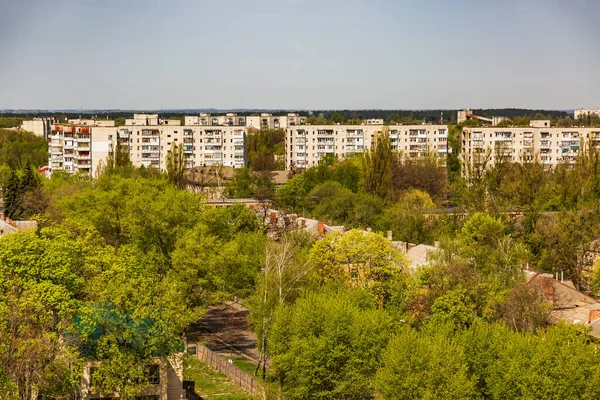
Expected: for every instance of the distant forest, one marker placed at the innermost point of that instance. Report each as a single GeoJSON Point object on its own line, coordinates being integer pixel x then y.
{"type": "Point", "coordinates": [449, 115]}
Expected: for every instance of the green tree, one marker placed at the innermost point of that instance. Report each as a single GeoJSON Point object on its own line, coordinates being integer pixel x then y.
{"type": "Point", "coordinates": [13, 197]}
{"type": "Point", "coordinates": [176, 165]}
{"type": "Point", "coordinates": [327, 345]}
{"type": "Point", "coordinates": [284, 273]}
{"type": "Point", "coordinates": [17, 149]}
{"type": "Point", "coordinates": [378, 166]}
{"type": "Point", "coordinates": [407, 219]}
{"type": "Point", "coordinates": [409, 362]}
{"type": "Point", "coordinates": [242, 183]}
{"type": "Point", "coordinates": [359, 259]}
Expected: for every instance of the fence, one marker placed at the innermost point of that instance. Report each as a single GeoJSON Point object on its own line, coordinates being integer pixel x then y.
{"type": "Point", "coordinates": [239, 377]}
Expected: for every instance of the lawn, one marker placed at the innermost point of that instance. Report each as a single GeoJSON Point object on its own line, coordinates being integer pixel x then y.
{"type": "Point", "coordinates": [210, 384]}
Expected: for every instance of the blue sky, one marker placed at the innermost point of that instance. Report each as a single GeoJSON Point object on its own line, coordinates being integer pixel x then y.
{"type": "Point", "coordinates": [300, 54]}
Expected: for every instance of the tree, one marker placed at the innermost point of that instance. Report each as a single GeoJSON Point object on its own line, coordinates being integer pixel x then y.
{"type": "Point", "coordinates": [284, 274]}
{"type": "Point", "coordinates": [29, 180]}
{"type": "Point", "coordinates": [13, 197]}
{"type": "Point", "coordinates": [358, 259]}
{"type": "Point", "coordinates": [408, 363]}
{"type": "Point", "coordinates": [242, 183]}
{"type": "Point", "coordinates": [266, 149]}
{"type": "Point", "coordinates": [327, 345]}
{"type": "Point", "coordinates": [424, 174]}
{"type": "Point", "coordinates": [525, 308]}
{"type": "Point", "coordinates": [407, 220]}
{"type": "Point", "coordinates": [17, 149]}
{"type": "Point", "coordinates": [176, 165]}
{"type": "Point", "coordinates": [378, 166]}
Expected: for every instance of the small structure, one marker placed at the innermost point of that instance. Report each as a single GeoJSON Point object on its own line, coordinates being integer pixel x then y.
{"type": "Point", "coordinates": [165, 377]}
{"type": "Point", "coordinates": [569, 304]}
{"type": "Point", "coordinates": [8, 226]}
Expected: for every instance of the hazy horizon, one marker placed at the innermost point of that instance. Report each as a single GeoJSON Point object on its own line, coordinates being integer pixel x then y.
{"type": "Point", "coordinates": [299, 55]}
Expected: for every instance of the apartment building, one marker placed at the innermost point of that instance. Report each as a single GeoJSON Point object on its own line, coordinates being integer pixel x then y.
{"type": "Point", "coordinates": [306, 145]}
{"type": "Point", "coordinates": [86, 147]}
{"type": "Point", "coordinates": [39, 126]}
{"type": "Point", "coordinates": [269, 121]}
{"type": "Point", "coordinates": [550, 146]}
{"type": "Point", "coordinates": [69, 148]}
{"type": "Point", "coordinates": [583, 112]}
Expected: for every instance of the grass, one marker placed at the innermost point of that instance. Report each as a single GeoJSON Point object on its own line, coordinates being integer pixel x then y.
{"type": "Point", "coordinates": [245, 365]}
{"type": "Point", "coordinates": [249, 367]}
{"type": "Point", "coordinates": [210, 384]}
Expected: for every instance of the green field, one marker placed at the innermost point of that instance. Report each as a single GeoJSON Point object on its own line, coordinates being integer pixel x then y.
{"type": "Point", "coordinates": [210, 384]}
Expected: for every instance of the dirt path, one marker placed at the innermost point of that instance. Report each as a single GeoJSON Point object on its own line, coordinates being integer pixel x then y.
{"type": "Point", "coordinates": [224, 329]}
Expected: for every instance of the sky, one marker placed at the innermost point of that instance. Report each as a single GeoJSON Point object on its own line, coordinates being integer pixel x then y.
{"type": "Point", "coordinates": [299, 54]}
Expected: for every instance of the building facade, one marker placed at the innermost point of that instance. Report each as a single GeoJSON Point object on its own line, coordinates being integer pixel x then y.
{"type": "Point", "coordinates": [306, 145]}
{"type": "Point", "coordinates": [551, 146]}
{"type": "Point", "coordinates": [39, 126]}
{"type": "Point", "coordinates": [583, 112]}
{"type": "Point", "coordinates": [69, 148]}
{"type": "Point", "coordinates": [87, 147]}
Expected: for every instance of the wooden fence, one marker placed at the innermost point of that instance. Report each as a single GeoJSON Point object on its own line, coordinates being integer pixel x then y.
{"type": "Point", "coordinates": [239, 377]}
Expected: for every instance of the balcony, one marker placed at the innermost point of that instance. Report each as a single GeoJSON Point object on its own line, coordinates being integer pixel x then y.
{"type": "Point", "coordinates": [150, 132]}
{"type": "Point", "coordinates": [83, 148]}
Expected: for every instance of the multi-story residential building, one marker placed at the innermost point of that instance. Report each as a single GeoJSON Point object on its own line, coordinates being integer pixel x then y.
{"type": "Point", "coordinates": [75, 148]}
{"type": "Point", "coordinates": [485, 146]}
{"type": "Point", "coordinates": [39, 126]}
{"type": "Point", "coordinates": [69, 148]}
{"type": "Point", "coordinates": [306, 145]}
{"type": "Point", "coordinates": [583, 112]}
{"type": "Point", "coordinates": [269, 121]}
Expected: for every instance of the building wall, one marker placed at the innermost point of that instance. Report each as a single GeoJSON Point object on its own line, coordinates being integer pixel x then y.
{"type": "Point", "coordinates": [39, 126]}
{"type": "Point", "coordinates": [69, 148]}
{"type": "Point", "coordinates": [306, 145]}
{"type": "Point", "coordinates": [585, 112]}
{"type": "Point", "coordinates": [549, 145]}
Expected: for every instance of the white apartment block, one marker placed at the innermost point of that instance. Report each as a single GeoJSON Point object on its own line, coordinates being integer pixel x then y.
{"type": "Point", "coordinates": [581, 113]}
{"type": "Point", "coordinates": [550, 146]}
{"type": "Point", "coordinates": [306, 145]}
{"type": "Point", "coordinates": [74, 148]}
{"type": "Point", "coordinates": [69, 148]}
{"type": "Point", "coordinates": [39, 126]}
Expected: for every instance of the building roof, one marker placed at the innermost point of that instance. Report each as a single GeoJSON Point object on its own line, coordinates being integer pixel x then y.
{"type": "Point", "coordinates": [9, 226]}
{"type": "Point", "coordinates": [570, 305]}
{"type": "Point", "coordinates": [419, 255]}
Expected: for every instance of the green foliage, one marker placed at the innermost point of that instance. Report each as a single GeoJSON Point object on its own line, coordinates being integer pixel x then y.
{"type": "Point", "coordinates": [378, 166]}
{"type": "Point", "coordinates": [429, 365]}
{"type": "Point", "coordinates": [13, 197]}
{"type": "Point", "coordinates": [176, 165]}
{"type": "Point", "coordinates": [10, 122]}
{"type": "Point", "coordinates": [359, 259]}
{"type": "Point", "coordinates": [17, 149]}
{"type": "Point", "coordinates": [328, 344]}
{"type": "Point", "coordinates": [407, 219]}
{"type": "Point", "coordinates": [241, 185]}
{"type": "Point", "coordinates": [265, 149]}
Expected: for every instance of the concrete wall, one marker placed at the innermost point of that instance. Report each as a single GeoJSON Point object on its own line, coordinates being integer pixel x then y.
{"type": "Point", "coordinates": [306, 145]}
{"type": "Point", "coordinates": [550, 146]}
